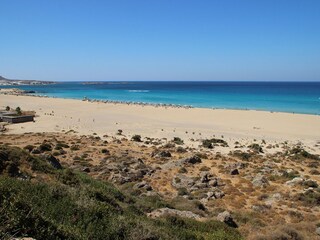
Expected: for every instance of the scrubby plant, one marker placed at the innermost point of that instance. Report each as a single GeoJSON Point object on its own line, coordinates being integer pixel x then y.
{"type": "Point", "coordinates": [310, 197]}
{"type": "Point", "coordinates": [299, 152]}
{"type": "Point", "coordinates": [207, 143]}
{"type": "Point", "coordinates": [29, 147]}
{"type": "Point", "coordinates": [282, 233]}
{"type": "Point", "coordinates": [136, 138]}
{"type": "Point", "coordinates": [183, 170]}
{"type": "Point", "coordinates": [75, 147]}
{"type": "Point", "coordinates": [105, 151]}
{"type": "Point", "coordinates": [182, 191]}
{"type": "Point", "coordinates": [18, 111]}
{"type": "Point", "coordinates": [177, 141]}
{"type": "Point", "coordinates": [256, 147]}
{"type": "Point", "coordinates": [169, 145]}
{"type": "Point", "coordinates": [73, 205]}
{"type": "Point", "coordinates": [210, 143]}
{"type": "Point", "coordinates": [204, 168]}
{"type": "Point", "coordinates": [45, 147]}
{"type": "Point", "coordinates": [61, 145]}
{"type": "Point", "coordinates": [181, 150]}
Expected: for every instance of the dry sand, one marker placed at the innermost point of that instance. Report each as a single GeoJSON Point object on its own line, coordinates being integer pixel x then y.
{"type": "Point", "coordinates": [56, 115]}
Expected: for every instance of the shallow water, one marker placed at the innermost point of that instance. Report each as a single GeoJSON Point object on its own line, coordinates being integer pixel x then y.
{"type": "Point", "coordinates": [299, 97]}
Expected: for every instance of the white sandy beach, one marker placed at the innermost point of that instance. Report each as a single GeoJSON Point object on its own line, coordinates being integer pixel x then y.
{"type": "Point", "coordinates": [56, 115]}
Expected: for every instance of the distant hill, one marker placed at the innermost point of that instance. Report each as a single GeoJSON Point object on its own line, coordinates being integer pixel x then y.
{"type": "Point", "coordinates": [14, 82]}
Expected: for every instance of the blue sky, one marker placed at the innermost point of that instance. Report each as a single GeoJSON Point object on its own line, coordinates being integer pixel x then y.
{"type": "Point", "coordinates": [265, 40]}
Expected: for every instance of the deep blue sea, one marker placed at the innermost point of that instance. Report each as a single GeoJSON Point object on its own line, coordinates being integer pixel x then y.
{"type": "Point", "coordinates": [299, 97]}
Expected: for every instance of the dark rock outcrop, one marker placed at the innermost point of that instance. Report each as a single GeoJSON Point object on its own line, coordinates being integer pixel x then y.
{"type": "Point", "coordinates": [54, 162]}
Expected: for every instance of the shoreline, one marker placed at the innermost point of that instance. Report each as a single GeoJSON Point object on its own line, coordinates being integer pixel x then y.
{"type": "Point", "coordinates": [156, 105]}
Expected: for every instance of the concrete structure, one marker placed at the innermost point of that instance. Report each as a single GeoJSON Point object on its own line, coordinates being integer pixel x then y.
{"type": "Point", "coordinates": [17, 119]}
{"type": "Point", "coordinates": [4, 113]}
{"type": "Point", "coordinates": [10, 117]}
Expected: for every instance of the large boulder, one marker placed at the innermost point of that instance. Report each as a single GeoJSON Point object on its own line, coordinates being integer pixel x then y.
{"type": "Point", "coordinates": [295, 181]}
{"type": "Point", "coordinates": [227, 219]}
{"type": "Point", "coordinates": [260, 181]}
{"type": "Point", "coordinates": [161, 154]}
{"type": "Point", "coordinates": [273, 199]}
{"type": "Point", "coordinates": [163, 212]}
{"type": "Point", "coordinates": [54, 162]}
{"type": "Point", "coordinates": [183, 181]}
{"type": "Point", "coordinates": [215, 193]}
{"type": "Point", "coordinates": [142, 185]}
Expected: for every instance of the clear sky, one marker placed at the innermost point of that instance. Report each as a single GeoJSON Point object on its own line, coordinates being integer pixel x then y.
{"type": "Point", "coordinates": [160, 39]}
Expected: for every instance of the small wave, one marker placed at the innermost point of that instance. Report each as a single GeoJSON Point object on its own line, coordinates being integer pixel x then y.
{"type": "Point", "coordinates": [139, 91]}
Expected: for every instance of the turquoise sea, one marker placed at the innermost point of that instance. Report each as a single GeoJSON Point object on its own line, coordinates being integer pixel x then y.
{"type": "Point", "coordinates": [298, 97]}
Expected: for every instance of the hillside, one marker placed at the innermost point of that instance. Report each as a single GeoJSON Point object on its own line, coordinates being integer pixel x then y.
{"type": "Point", "coordinates": [149, 184]}
{"type": "Point", "coordinates": [41, 199]}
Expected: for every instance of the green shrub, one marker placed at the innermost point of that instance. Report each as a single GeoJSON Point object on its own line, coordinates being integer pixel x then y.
{"type": "Point", "coordinates": [75, 147]}
{"type": "Point", "coordinates": [61, 145]}
{"type": "Point", "coordinates": [45, 147]}
{"type": "Point", "coordinates": [181, 150]}
{"type": "Point", "coordinates": [105, 151]}
{"type": "Point", "coordinates": [136, 138]}
{"type": "Point", "coordinates": [177, 141]}
{"type": "Point", "coordinates": [182, 191]}
{"type": "Point", "coordinates": [242, 155]}
{"type": "Point", "coordinates": [310, 197]}
{"type": "Point", "coordinates": [18, 110]}
{"type": "Point", "coordinates": [299, 152]}
{"type": "Point", "coordinates": [29, 147]}
{"type": "Point", "coordinates": [73, 205]}
{"type": "Point", "coordinates": [256, 147]}
{"type": "Point", "coordinates": [183, 170]}
{"type": "Point", "coordinates": [207, 143]}
{"type": "Point", "coordinates": [204, 168]}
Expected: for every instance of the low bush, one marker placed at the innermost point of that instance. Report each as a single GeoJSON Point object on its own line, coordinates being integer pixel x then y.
{"type": "Point", "coordinates": [45, 147]}
{"type": "Point", "coordinates": [177, 141]}
{"type": "Point", "coordinates": [256, 147]}
{"type": "Point", "coordinates": [210, 143]}
{"type": "Point", "coordinates": [136, 138]}
{"type": "Point", "coordinates": [75, 147]}
{"type": "Point", "coordinates": [29, 147]}
{"type": "Point", "coordinates": [310, 197]}
{"type": "Point", "coordinates": [72, 205]}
